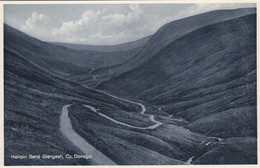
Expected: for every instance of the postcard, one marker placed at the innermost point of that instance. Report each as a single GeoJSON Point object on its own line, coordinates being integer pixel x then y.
{"type": "Point", "coordinates": [129, 83]}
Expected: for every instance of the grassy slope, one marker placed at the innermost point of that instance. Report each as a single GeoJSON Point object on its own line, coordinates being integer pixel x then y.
{"type": "Point", "coordinates": [194, 76]}
{"type": "Point", "coordinates": [230, 151]}
{"type": "Point", "coordinates": [51, 57]}
{"type": "Point", "coordinates": [32, 117]}
{"type": "Point", "coordinates": [125, 145]}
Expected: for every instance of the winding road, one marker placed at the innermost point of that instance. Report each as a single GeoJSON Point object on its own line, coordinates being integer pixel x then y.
{"type": "Point", "coordinates": [97, 156]}
{"type": "Point", "coordinates": [151, 117]}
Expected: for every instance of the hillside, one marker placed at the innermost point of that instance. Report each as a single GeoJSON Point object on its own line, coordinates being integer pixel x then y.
{"type": "Point", "coordinates": [217, 60]}
{"type": "Point", "coordinates": [50, 57]}
{"type": "Point", "coordinates": [169, 33]}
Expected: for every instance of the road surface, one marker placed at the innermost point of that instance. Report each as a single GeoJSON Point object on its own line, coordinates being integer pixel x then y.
{"type": "Point", "coordinates": [67, 130]}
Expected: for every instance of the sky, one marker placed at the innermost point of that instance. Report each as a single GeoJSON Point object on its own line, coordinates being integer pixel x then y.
{"type": "Point", "coordinates": [100, 24]}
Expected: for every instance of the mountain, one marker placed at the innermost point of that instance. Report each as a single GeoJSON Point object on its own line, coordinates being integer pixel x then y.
{"type": "Point", "coordinates": [107, 48]}
{"type": "Point", "coordinates": [167, 34]}
{"type": "Point", "coordinates": [216, 60]}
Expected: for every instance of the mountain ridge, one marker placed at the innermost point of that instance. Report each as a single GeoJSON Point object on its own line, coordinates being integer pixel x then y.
{"type": "Point", "coordinates": [168, 33]}
{"type": "Point", "coordinates": [107, 48]}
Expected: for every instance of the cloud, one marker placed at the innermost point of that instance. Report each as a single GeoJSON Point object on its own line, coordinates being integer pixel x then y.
{"type": "Point", "coordinates": [36, 26]}
{"type": "Point", "coordinates": [69, 31]}
{"type": "Point", "coordinates": [96, 27]}
{"type": "Point", "coordinates": [33, 21]}
{"type": "Point", "coordinates": [75, 25]}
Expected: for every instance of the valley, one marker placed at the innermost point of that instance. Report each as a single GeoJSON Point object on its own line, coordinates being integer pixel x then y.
{"type": "Point", "coordinates": [184, 95]}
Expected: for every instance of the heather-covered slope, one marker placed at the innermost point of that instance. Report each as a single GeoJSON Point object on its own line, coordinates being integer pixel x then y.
{"type": "Point", "coordinates": [54, 58]}
{"type": "Point", "coordinates": [169, 33]}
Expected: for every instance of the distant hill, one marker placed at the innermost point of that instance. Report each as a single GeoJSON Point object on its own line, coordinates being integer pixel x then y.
{"type": "Point", "coordinates": [67, 61]}
{"type": "Point", "coordinates": [54, 58]}
{"type": "Point", "coordinates": [169, 33]}
{"type": "Point", "coordinates": [107, 48]}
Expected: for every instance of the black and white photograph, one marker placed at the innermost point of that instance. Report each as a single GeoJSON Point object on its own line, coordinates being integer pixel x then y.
{"type": "Point", "coordinates": [129, 83]}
